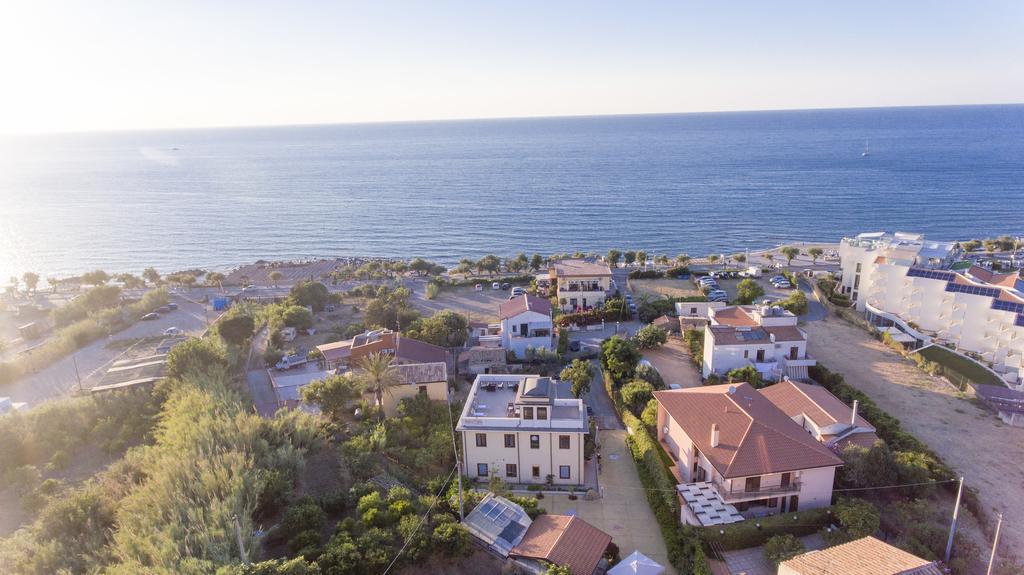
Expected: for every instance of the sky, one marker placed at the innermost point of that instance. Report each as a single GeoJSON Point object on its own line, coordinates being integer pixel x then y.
{"type": "Point", "coordinates": [146, 64]}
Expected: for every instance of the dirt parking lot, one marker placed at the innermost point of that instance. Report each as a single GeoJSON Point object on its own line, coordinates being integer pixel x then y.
{"type": "Point", "coordinates": [973, 441]}
{"type": "Point", "coordinates": [673, 362]}
{"type": "Point", "coordinates": [480, 305]}
{"type": "Point", "coordinates": [664, 287]}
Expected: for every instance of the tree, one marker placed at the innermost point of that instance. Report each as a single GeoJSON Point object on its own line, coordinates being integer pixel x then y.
{"type": "Point", "coordinates": [682, 259]}
{"type": "Point", "coordinates": [858, 517]}
{"type": "Point", "coordinates": [739, 258]}
{"type": "Point", "coordinates": [333, 394]}
{"type": "Point", "coordinates": [445, 328]}
{"type": "Point", "coordinates": [489, 263]}
{"type": "Point", "coordinates": [872, 467]}
{"type": "Point", "coordinates": [782, 548]}
{"type": "Point", "coordinates": [298, 317]}
{"type": "Point", "coordinates": [237, 330]}
{"type": "Point", "coordinates": [748, 374]}
{"type": "Point", "coordinates": [536, 261]}
{"type": "Point", "coordinates": [31, 280]}
{"type": "Point", "coordinates": [131, 281]}
{"type": "Point", "coordinates": [217, 279]}
{"type": "Point", "coordinates": [151, 275]}
{"type": "Point", "coordinates": [636, 394]}
{"type": "Point", "coordinates": [790, 253]}
{"type": "Point", "coordinates": [453, 540]}
{"type": "Point", "coordinates": [630, 257]}
{"type": "Point", "coordinates": [275, 276]}
{"type": "Point", "coordinates": [641, 257]}
{"type": "Point", "coordinates": [579, 373]}
{"type": "Point", "coordinates": [378, 377]}
{"type": "Point", "coordinates": [651, 336]}
{"type": "Point", "coordinates": [557, 570]}
{"type": "Point", "coordinates": [619, 358]}
{"type": "Point", "coordinates": [815, 253]}
{"type": "Point", "coordinates": [748, 290]}
{"type": "Point", "coordinates": [648, 373]}
{"type": "Point", "coordinates": [712, 258]}
{"type": "Point", "coordinates": [95, 278]}
{"type": "Point", "coordinates": [312, 294]}
{"type": "Point", "coordinates": [613, 257]}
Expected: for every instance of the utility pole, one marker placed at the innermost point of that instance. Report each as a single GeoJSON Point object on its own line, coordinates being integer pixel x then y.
{"type": "Point", "coordinates": [78, 377]}
{"type": "Point", "coordinates": [458, 462]}
{"type": "Point", "coordinates": [241, 544]}
{"type": "Point", "coordinates": [956, 513]}
{"type": "Point", "coordinates": [995, 543]}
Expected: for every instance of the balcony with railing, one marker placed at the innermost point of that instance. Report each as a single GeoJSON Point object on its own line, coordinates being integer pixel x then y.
{"type": "Point", "coordinates": [744, 492]}
{"type": "Point", "coordinates": [578, 287]}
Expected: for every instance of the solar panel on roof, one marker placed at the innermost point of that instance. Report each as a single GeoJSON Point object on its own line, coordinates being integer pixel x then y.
{"type": "Point", "coordinates": [930, 274]}
{"type": "Point", "coordinates": [1010, 306]}
{"type": "Point", "coordinates": [972, 290]}
{"type": "Point", "coordinates": [1020, 320]}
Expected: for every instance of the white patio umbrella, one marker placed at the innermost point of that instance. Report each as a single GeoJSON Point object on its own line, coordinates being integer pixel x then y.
{"type": "Point", "coordinates": [637, 564]}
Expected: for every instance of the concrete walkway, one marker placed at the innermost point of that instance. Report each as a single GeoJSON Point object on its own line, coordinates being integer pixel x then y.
{"type": "Point", "coordinates": [623, 512]}
{"type": "Point", "coordinates": [752, 561]}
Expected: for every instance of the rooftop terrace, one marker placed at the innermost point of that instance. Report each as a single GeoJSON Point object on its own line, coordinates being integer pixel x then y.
{"type": "Point", "coordinates": [495, 402]}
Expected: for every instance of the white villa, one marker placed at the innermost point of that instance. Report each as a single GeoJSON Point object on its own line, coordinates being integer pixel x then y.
{"type": "Point", "coordinates": [737, 455]}
{"type": "Point", "coordinates": [523, 429]}
{"type": "Point", "coordinates": [909, 285]}
{"type": "Point", "coordinates": [580, 284]}
{"type": "Point", "coordinates": [765, 337]}
{"type": "Point", "coordinates": [524, 322]}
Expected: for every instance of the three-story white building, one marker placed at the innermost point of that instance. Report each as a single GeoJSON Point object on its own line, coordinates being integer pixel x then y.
{"type": "Point", "coordinates": [580, 284]}
{"type": "Point", "coordinates": [525, 322]}
{"type": "Point", "coordinates": [765, 337]}
{"type": "Point", "coordinates": [523, 429]}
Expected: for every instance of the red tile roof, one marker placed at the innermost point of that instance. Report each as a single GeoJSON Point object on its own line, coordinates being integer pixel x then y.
{"type": "Point", "coordinates": [564, 540]}
{"type": "Point", "coordinates": [814, 401]}
{"type": "Point", "coordinates": [734, 316]}
{"type": "Point", "coordinates": [786, 333]}
{"type": "Point", "coordinates": [1005, 280]}
{"type": "Point", "coordinates": [867, 556]}
{"type": "Point", "coordinates": [524, 303]}
{"type": "Point", "coordinates": [579, 268]}
{"type": "Point", "coordinates": [755, 436]}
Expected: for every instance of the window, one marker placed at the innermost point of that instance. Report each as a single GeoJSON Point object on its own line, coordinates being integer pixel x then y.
{"type": "Point", "coordinates": [542, 413]}
{"type": "Point", "coordinates": [534, 442]}
{"type": "Point", "coordinates": [527, 413]}
{"type": "Point", "coordinates": [481, 470]}
{"type": "Point", "coordinates": [858, 267]}
{"type": "Point", "coordinates": [536, 470]}
{"type": "Point", "coordinates": [856, 281]}
{"type": "Point", "coordinates": [422, 390]}
{"type": "Point", "coordinates": [564, 472]}
{"type": "Point", "coordinates": [510, 470]}
{"type": "Point", "coordinates": [693, 311]}
{"type": "Point", "coordinates": [563, 442]}
{"type": "Point", "coordinates": [746, 353]}
{"type": "Point", "coordinates": [481, 440]}
{"type": "Point", "coordinates": [510, 440]}
{"type": "Point", "coordinates": [773, 502]}
{"type": "Point", "coordinates": [752, 484]}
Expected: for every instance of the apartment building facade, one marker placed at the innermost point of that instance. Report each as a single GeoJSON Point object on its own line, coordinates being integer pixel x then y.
{"type": "Point", "coordinates": [765, 337]}
{"type": "Point", "coordinates": [580, 284]}
{"type": "Point", "coordinates": [523, 429]}
{"type": "Point", "coordinates": [525, 322]}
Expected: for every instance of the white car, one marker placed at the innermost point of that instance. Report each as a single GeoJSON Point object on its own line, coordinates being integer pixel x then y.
{"type": "Point", "coordinates": [517, 291]}
{"type": "Point", "coordinates": [496, 285]}
{"type": "Point", "coordinates": [478, 287]}
{"type": "Point", "coordinates": [173, 331]}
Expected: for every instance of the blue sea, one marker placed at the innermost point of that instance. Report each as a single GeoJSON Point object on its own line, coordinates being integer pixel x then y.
{"type": "Point", "coordinates": [694, 183]}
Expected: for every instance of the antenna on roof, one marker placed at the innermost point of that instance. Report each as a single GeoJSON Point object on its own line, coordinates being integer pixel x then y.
{"type": "Point", "coordinates": [732, 390]}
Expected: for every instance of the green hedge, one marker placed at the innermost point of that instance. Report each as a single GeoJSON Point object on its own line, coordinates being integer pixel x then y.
{"type": "Point", "coordinates": [746, 533]}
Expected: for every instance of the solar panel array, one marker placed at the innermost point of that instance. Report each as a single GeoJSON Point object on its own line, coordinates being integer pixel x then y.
{"type": "Point", "coordinates": [1010, 306]}
{"type": "Point", "coordinates": [1020, 321]}
{"type": "Point", "coordinates": [753, 335]}
{"type": "Point", "coordinates": [930, 274]}
{"type": "Point", "coordinates": [973, 290]}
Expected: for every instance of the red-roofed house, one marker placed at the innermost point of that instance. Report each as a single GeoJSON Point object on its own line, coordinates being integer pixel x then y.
{"type": "Point", "coordinates": [765, 337]}
{"type": "Point", "coordinates": [822, 414]}
{"type": "Point", "coordinates": [732, 440]}
{"type": "Point", "coordinates": [563, 540]}
{"type": "Point", "coordinates": [525, 323]}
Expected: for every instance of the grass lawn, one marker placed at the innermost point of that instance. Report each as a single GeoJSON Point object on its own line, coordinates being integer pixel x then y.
{"type": "Point", "coordinates": [959, 366]}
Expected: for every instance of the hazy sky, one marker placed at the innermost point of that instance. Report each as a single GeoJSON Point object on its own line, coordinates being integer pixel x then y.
{"type": "Point", "coordinates": [120, 64]}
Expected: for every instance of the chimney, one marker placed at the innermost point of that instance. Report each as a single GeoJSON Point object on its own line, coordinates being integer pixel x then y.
{"type": "Point", "coordinates": [853, 415]}
{"type": "Point", "coordinates": [714, 435]}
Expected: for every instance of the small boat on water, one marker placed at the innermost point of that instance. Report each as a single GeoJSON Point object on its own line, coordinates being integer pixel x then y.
{"type": "Point", "coordinates": [866, 151]}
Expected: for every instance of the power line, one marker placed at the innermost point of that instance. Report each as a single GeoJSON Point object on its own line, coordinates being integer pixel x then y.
{"type": "Point", "coordinates": [422, 519]}
{"type": "Point", "coordinates": [777, 494]}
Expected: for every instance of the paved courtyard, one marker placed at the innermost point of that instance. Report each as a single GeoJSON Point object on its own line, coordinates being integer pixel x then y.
{"type": "Point", "coordinates": [752, 561]}
{"type": "Point", "coordinates": [624, 512]}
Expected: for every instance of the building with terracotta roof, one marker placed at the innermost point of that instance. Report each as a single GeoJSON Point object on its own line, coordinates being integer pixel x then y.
{"type": "Point", "coordinates": [822, 414]}
{"type": "Point", "coordinates": [523, 429]}
{"type": "Point", "coordinates": [867, 556]}
{"type": "Point", "coordinates": [731, 443]}
{"type": "Point", "coordinates": [563, 540]}
{"type": "Point", "coordinates": [350, 352]}
{"type": "Point", "coordinates": [909, 284]}
{"type": "Point", "coordinates": [580, 284]}
{"type": "Point", "coordinates": [525, 322]}
{"type": "Point", "coordinates": [765, 337]}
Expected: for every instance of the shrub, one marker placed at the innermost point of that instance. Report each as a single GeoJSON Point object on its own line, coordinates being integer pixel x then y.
{"type": "Point", "coordinates": [645, 274]}
{"type": "Point", "coordinates": [747, 533]}
{"type": "Point", "coordinates": [651, 336]}
{"type": "Point", "coordinates": [748, 290]}
{"type": "Point", "coordinates": [858, 517]}
{"type": "Point", "coordinates": [695, 341]}
{"type": "Point", "coordinates": [619, 357]}
{"type": "Point", "coordinates": [453, 540]}
{"type": "Point", "coordinates": [563, 341]}
{"type": "Point", "coordinates": [782, 547]}
{"type": "Point", "coordinates": [650, 414]}
{"type": "Point", "coordinates": [796, 303]}
{"type": "Point", "coordinates": [433, 290]}
{"type": "Point", "coordinates": [636, 394]}
{"type": "Point", "coordinates": [648, 373]}
{"type": "Point", "coordinates": [748, 374]}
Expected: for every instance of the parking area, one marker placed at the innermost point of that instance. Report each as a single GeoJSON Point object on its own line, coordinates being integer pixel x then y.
{"type": "Point", "coordinates": [478, 305]}
{"type": "Point", "coordinates": [771, 292]}
{"type": "Point", "coordinates": [623, 512]}
{"type": "Point", "coordinates": [674, 363]}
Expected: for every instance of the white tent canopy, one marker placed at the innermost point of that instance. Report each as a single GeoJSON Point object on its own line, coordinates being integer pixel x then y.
{"type": "Point", "coordinates": [637, 564]}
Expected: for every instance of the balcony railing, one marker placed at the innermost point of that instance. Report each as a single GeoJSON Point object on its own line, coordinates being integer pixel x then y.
{"type": "Point", "coordinates": [577, 288]}
{"type": "Point", "coordinates": [741, 492]}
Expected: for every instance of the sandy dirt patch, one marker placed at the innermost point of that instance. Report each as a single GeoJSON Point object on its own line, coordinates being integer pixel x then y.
{"type": "Point", "coordinates": [479, 305]}
{"type": "Point", "coordinates": [970, 439]}
{"type": "Point", "coordinates": [673, 362]}
{"type": "Point", "coordinates": [664, 287]}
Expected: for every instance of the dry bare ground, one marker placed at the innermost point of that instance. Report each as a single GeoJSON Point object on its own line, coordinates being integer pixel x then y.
{"type": "Point", "coordinates": [478, 305]}
{"type": "Point", "coordinates": [973, 441]}
{"type": "Point", "coordinates": [673, 362]}
{"type": "Point", "coordinates": [664, 287]}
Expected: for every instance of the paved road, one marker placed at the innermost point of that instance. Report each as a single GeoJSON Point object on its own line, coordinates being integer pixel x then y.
{"type": "Point", "coordinates": [673, 362]}
{"type": "Point", "coordinates": [815, 310]}
{"type": "Point", "coordinates": [93, 360]}
{"type": "Point", "coordinates": [263, 398]}
{"type": "Point", "coordinates": [598, 400]}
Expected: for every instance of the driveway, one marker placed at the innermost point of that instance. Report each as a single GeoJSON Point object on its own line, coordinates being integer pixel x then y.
{"type": "Point", "coordinates": [673, 362]}
{"type": "Point", "coordinates": [93, 359]}
{"type": "Point", "coordinates": [971, 440]}
{"type": "Point", "coordinates": [751, 561]}
{"type": "Point", "coordinates": [597, 399]}
{"type": "Point", "coordinates": [816, 311]}
{"type": "Point", "coordinates": [623, 512]}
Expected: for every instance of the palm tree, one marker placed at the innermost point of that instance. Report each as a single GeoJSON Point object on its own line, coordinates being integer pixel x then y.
{"type": "Point", "coordinates": [275, 276]}
{"type": "Point", "coordinates": [683, 259]}
{"type": "Point", "coordinates": [378, 376]}
{"type": "Point", "coordinates": [712, 258]}
{"type": "Point", "coordinates": [815, 253]}
{"type": "Point", "coordinates": [217, 278]}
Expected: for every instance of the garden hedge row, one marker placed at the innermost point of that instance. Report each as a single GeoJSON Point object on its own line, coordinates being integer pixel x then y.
{"type": "Point", "coordinates": [746, 533]}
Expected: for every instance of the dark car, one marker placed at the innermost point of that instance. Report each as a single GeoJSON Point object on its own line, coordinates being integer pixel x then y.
{"type": "Point", "coordinates": [574, 345]}
{"type": "Point", "coordinates": [172, 306]}
{"type": "Point", "coordinates": [163, 309]}
{"type": "Point", "coordinates": [506, 286]}
{"type": "Point", "coordinates": [150, 316]}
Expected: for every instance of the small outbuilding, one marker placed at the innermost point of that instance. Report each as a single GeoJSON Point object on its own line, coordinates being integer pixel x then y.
{"type": "Point", "coordinates": [637, 564]}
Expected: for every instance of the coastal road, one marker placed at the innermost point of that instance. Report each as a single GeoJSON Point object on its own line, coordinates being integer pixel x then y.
{"type": "Point", "coordinates": [815, 310]}
{"type": "Point", "coordinates": [94, 359]}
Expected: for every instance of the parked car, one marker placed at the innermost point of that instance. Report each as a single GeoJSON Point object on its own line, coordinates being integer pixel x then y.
{"type": "Point", "coordinates": [151, 316]}
{"type": "Point", "coordinates": [574, 345]}
{"type": "Point", "coordinates": [506, 286]}
{"type": "Point", "coordinates": [163, 309]}
{"type": "Point", "coordinates": [496, 285]}
{"type": "Point", "coordinates": [289, 361]}
{"type": "Point", "coordinates": [518, 291]}
{"type": "Point", "coordinates": [172, 306]}
{"type": "Point", "coordinates": [173, 331]}
{"type": "Point", "coordinates": [478, 287]}
{"type": "Point", "coordinates": [776, 278]}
